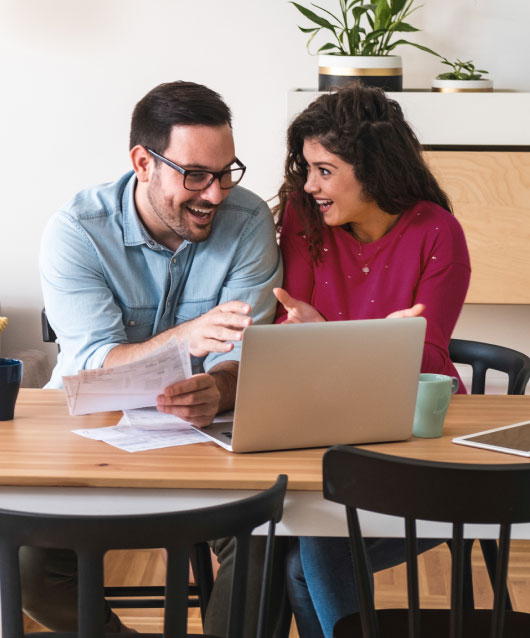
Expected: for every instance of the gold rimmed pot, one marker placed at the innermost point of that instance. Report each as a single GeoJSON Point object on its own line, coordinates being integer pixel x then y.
{"type": "Point", "coordinates": [384, 71]}
{"type": "Point", "coordinates": [462, 86]}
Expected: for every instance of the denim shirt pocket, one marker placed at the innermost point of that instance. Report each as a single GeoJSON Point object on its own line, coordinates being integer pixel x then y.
{"type": "Point", "coordinates": [139, 323]}
{"type": "Point", "coordinates": [191, 309]}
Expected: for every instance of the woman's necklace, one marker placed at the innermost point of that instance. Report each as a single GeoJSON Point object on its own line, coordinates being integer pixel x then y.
{"type": "Point", "coordinates": [366, 267]}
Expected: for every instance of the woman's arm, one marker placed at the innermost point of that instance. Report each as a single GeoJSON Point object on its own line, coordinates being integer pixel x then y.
{"type": "Point", "coordinates": [443, 294]}
{"type": "Point", "coordinates": [442, 288]}
{"type": "Point", "coordinates": [299, 277]}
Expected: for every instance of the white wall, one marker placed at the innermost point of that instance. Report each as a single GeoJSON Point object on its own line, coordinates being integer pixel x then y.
{"type": "Point", "coordinates": [72, 72]}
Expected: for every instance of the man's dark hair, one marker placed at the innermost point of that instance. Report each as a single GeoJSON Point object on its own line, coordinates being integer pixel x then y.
{"type": "Point", "coordinates": [174, 103]}
{"type": "Point", "coordinates": [367, 130]}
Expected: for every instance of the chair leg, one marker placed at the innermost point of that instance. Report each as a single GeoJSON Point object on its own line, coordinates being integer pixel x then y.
{"type": "Point", "coordinates": [468, 600]}
{"type": "Point", "coordinates": [286, 618]}
{"type": "Point", "coordinates": [202, 567]}
{"type": "Point", "coordinates": [489, 551]}
{"type": "Point", "coordinates": [468, 597]}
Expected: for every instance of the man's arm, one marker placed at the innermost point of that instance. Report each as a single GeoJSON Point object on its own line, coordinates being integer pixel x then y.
{"type": "Point", "coordinates": [201, 397]}
{"type": "Point", "coordinates": [84, 314]}
{"type": "Point", "coordinates": [255, 270]}
{"type": "Point", "coordinates": [215, 331]}
{"type": "Point", "coordinates": [79, 304]}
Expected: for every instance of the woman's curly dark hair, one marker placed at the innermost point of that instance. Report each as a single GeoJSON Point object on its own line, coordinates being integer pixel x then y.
{"type": "Point", "coordinates": [367, 130]}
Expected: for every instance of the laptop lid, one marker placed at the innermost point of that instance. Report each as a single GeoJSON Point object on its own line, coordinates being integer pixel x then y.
{"type": "Point", "coordinates": [321, 384]}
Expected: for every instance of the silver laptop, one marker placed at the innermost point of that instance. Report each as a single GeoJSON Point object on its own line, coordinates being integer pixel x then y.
{"type": "Point", "coordinates": [320, 384]}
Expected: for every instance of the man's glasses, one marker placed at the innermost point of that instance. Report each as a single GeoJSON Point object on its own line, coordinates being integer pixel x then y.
{"type": "Point", "coordinates": [198, 180]}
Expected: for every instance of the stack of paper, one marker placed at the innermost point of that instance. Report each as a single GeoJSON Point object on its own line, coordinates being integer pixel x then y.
{"type": "Point", "coordinates": [129, 386]}
{"type": "Point", "coordinates": [145, 429]}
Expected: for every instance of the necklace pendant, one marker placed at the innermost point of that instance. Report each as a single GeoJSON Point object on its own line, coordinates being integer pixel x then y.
{"type": "Point", "coordinates": [365, 269]}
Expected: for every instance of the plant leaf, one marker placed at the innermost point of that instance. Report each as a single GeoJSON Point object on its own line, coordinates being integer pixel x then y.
{"type": "Point", "coordinates": [309, 30]}
{"type": "Point", "coordinates": [311, 37]}
{"type": "Point", "coordinates": [447, 76]}
{"type": "Point", "coordinates": [310, 15]}
{"type": "Point", "coordinates": [329, 46]}
{"type": "Point", "coordinates": [358, 11]}
{"type": "Point", "coordinates": [413, 44]}
{"type": "Point", "coordinates": [383, 15]}
{"type": "Point", "coordinates": [339, 21]}
{"type": "Point", "coordinates": [397, 5]}
{"type": "Point", "coordinates": [404, 26]}
{"type": "Point", "coordinates": [375, 35]}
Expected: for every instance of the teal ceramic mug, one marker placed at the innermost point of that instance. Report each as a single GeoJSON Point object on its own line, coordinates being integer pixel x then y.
{"type": "Point", "coordinates": [434, 394]}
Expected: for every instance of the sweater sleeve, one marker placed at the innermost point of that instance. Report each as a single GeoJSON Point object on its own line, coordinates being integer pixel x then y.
{"type": "Point", "coordinates": [299, 277]}
{"type": "Point", "coordinates": [442, 288]}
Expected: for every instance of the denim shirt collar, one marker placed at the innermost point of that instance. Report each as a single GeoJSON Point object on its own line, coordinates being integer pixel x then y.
{"type": "Point", "coordinates": [134, 232]}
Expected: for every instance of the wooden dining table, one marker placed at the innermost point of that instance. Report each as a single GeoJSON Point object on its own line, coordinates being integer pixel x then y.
{"type": "Point", "coordinates": [44, 466]}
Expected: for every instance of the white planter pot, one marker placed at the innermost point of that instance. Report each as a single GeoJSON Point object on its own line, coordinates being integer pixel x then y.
{"type": "Point", "coordinates": [462, 86]}
{"type": "Point", "coordinates": [384, 71]}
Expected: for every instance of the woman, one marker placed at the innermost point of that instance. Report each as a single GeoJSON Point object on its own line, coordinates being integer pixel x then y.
{"type": "Point", "coordinates": [365, 232]}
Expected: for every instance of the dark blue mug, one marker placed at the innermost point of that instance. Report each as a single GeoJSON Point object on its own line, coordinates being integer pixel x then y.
{"type": "Point", "coordinates": [10, 378]}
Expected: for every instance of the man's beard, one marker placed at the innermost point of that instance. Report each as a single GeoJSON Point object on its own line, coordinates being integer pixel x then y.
{"type": "Point", "coordinates": [182, 223]}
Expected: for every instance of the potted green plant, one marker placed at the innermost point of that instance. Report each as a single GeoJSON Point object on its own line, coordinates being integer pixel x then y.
{"type": "Point", "coordinates": [363, 37]}
{"type": "Point", "coordinates": [463, 78]}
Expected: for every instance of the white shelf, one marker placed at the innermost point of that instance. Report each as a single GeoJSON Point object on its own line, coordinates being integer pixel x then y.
{"type": "Point", "coordinates": [499, 118]}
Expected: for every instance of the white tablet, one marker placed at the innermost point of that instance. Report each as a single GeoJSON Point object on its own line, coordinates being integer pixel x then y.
{"type": "Point", "coordinates": [512, 439]}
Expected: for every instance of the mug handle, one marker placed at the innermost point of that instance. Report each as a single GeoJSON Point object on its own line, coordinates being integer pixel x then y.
{"type": "Point", "coordinates": [455, 383]}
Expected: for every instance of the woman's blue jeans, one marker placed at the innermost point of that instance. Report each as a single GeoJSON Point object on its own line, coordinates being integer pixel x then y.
{"type": "Point", "coordinates": [320, 578]}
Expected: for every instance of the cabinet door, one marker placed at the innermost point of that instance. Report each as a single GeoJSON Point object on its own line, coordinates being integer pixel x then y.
{"type": "Point", "coordinates": [490, 192]}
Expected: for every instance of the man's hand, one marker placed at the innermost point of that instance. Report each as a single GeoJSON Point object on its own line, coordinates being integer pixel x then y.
{"type": "Point", "coordinates": [416, 311]}
{"type": "Point", "coordinates": [216, 329]}
{"type": "Point", "coordinates": [195, 400]}
{"type": "Point", "coordinates": [297, 311]}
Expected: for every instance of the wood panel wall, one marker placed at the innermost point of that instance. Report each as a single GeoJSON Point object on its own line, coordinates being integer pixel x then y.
{"type": "Point", "coordinates": [490, 192]}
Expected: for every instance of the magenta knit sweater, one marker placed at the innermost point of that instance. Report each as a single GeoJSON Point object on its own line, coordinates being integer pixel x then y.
{"type": "Point", "coordinates": [422, 259]}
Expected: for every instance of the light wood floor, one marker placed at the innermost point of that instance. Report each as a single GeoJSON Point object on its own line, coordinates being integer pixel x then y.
{"type": "Point", "coordinates": [147, 568]}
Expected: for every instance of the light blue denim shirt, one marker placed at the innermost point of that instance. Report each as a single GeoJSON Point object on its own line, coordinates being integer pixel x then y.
{"type": "Point", "coordinates": [106, 281]}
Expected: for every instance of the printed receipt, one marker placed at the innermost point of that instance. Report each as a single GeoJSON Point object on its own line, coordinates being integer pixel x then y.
{"type": "Point", "coordinates": [148, 429]}
{"type": "Point", "coordinates": [129, 386]}
{"type": "Point", "coordinates": [129, 438]}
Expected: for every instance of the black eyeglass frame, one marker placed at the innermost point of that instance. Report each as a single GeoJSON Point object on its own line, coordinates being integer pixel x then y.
{"type": "Point", "coordinates": [214, 174]}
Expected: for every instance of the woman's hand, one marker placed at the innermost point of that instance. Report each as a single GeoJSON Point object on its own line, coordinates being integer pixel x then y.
{"type": "Point", "coordinates": [297, 311]}
{"type": "Point", "coordinates": [416, 311]}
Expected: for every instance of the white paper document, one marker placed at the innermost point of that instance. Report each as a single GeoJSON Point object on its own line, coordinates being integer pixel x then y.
{"type": "Point", "coordinates": [149, 429]}
{"type": "Point", "coordinates": [129, 386]}
{"type": "Point", "coordinates": [133, 439]}
{"type": "Point", "coordinates": [153, 419]}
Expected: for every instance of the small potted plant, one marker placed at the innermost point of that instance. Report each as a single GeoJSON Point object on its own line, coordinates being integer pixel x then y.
{"type": "Point", "coordinates": [463, 78]}
{"type": "Point", "coordinates": [363, 37]}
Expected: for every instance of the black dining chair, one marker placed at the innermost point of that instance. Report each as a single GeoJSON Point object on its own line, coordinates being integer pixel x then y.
{"type": "Point", "coordinates": [152, 596]}
{"type": "Point", "coordinates": [452, 493]}
{"type": "Point", "coordinates": [91, 536]}
{"type": "Point", "coordinates": [48, 333]}
{"type": "Point", "coordinates": [483, 357]}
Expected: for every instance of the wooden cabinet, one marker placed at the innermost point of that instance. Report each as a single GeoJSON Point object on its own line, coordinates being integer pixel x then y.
{"type": "Point", "coordinates": [478, 146]}
{"type": "Point", "coordinates": [490, 192]}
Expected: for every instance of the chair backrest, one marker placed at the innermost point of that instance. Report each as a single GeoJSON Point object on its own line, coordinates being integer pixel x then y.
{"type": "Point", "coordinates": [414, 489]}
{"type": "Point", "coordinates": [48, 333]}
{"type": "Point", "coordinates": [483, 356]}
{"type": "Point", "coordinates": [91, 536]}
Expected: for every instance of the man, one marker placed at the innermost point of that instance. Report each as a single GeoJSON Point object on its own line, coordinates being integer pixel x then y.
{"type": "Point", "coordinates": [173, 249]}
